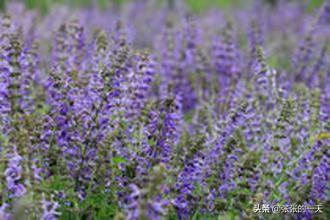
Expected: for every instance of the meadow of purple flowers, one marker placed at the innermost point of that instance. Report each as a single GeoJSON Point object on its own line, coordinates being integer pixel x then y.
{"type": "Point", "coordinates": [154, 112]}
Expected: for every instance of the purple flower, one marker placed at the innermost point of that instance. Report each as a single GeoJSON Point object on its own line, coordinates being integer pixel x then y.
{"type": "Point", "coordinates": [320, 180]}
{"type": "Point", "coordinates": [3, 213]}
{"type": "Point", "coordinates": [13, 174]}
{"type": "Point", "coordinates": [49, 209]}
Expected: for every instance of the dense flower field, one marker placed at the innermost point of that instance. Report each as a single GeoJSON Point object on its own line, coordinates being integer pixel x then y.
{"type": "Point", "coordinates": [154, 112]}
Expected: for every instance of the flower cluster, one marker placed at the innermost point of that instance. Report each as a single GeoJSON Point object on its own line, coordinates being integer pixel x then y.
{"type": "Point", "coordinates": [170, 115]}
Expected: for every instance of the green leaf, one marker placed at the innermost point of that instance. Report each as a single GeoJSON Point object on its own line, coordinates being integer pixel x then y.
{"type": "Point", "coordinates": [118, 159]}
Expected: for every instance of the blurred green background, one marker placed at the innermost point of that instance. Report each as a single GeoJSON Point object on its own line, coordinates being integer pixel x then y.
{"type": "Point", "coordinates": [195, 5]}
